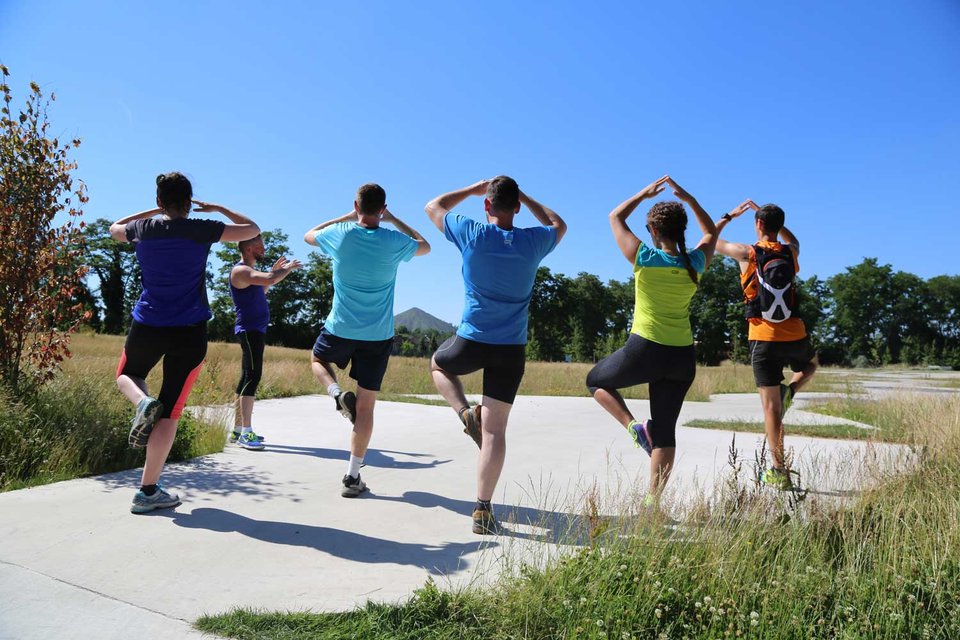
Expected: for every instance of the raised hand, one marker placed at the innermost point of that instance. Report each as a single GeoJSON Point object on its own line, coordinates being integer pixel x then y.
{"type": "Point", "coordinates": [654, 188]}
{"type": "Point", "coordinates": [742, 208]}
{"type": "Point", "coordinates": [280, 263]}
{"type": "Point", "coordinates": [480, 188]}
{"type": "Point", "coordinates": [753, 205]}
{"type": "Point", "coordinates": [206, 207]}
{"type": "Point", "coordinates": [387, 215]}
{"type": "Point", "coordinates": [293, 265]}
{"type": "Point", "coordinates": [678, 191]}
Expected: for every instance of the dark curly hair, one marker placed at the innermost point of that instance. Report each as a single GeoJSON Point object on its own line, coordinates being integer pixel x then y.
{"type": "Point", "coordinates": [174, 192]}
{"type": "Point", "coordinates": [669, 218]}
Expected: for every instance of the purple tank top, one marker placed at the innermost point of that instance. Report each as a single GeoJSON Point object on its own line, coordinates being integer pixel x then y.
{"type": "Point", "coordinates": [250, 305]}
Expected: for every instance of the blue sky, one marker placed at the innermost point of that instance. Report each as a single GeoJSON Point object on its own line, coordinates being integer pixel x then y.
{"type": "Point", "coordinates": [845, 114]}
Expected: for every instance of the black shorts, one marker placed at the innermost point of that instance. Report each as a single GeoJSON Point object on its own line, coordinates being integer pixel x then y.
{"type": "Point", "coordinates": [251, 362]}
{"type": "Point", "coordinates": [367, 358]}
{"type": "Point", "coordinates": [502, 364]}
{"type": "Point", "coordinates": [182, 350]}
{"type": "Point", "coordinates": [769, 359]}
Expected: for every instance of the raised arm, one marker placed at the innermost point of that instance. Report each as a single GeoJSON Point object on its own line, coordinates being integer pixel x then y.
{"type": "Point", "coordinates": [118, 230]}
{"type": "Point", "coordinates": [626, 239]}
{"type": "Point", "coordinates": [788, 238]}
{"type": "Point", "coordinates": [443, 204]}
{"type": "Point", "coordinates": [423, 247]}
{"type": "Point", "coordinates": [310, 237]}
{"type": "Point", "coordinates": [243, 276]}
{"type": "Point", "coordinates": [545, 215]}
{"type": "Point", "coordinates": [708, 243]}
{"type": "Point", "coordinates": [735, 250]}
{"type": "Point", "coordinates": [243, 228]}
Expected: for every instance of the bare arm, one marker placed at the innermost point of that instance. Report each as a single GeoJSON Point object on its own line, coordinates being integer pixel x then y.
{"type": "Point", "coordinates": [788, 238]}
{"type": "Point", "coordinates": [310, 236]}
{"type": "Point", "coordinates": [739, 252]}
{"type": "Point", "coordinates": [243, 228]}
{"type": "Point", "coordinates": [443, 204]}
{"type": "Point", "coordinates": [243, 276]}
{"type": "Point", "coordinates": [423, 247]}
{"type": "Point", "coordinates": [118, 230]}
{"type": "Point", "coordinates": [545, 215]}
{"type": "Point", "coordinates": [628, 242]}
{"type": "Point", "coordinates": [708, 243]}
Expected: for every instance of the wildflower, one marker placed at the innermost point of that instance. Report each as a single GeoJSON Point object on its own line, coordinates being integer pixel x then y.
{"type": "Point", "coordinates": [707, 600]}
{"type": "Point", "coordinates": [599, 623]}
{"type": "Point", "coordinates": [754, 615]}
{"type": "Point", "coordinates": [697, 604]}
{"type": "Point", "coordinates": [657, 613]}
{"type": "Point", "coordinates": [657, 584]}
{"type": "Point", "coordinates": [625, 635]}
{"type": "Point", "coordinates": [636, 580]}
{"type": "Point", "coordinates": [754, 623]}
{"type": "Point", "coordinates": [582, 599]}
{"type": "Point", "coordinates": [623, 567]}
{"type": "Point", "coordinates": [713, 609]}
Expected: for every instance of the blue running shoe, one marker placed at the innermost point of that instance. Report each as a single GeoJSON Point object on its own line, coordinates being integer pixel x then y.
{"type": "Point", "coordinates": [640, 434]}
{"type": "Point", "coordinates": [148, 412]}
{"type": "Point", "coordinates": [235, 435]}
{"type": "Point", "coordinates": [142, 503]}
{"type": "Point", "coordinates": [250, 440]}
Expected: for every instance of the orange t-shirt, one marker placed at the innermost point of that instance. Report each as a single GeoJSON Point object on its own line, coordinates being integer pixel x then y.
{"type": "Point", "coordinates": [759, 329]}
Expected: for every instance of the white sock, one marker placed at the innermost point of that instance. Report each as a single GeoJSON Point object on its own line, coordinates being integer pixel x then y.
{"type": "Point", "coordinates": [247, 430]}
{"type": "Point", "coordinates": [333, 390]}
{"type": "Point", "coordinates": [353, 468]}
{"type": "Point", "coordinates": [237, 428]}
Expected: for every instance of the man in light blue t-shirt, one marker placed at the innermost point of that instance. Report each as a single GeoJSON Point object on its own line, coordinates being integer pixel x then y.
{"type": "Point", "coordinates": [359, 329]}
{"type": "Point", "coordinates": [500, 264]}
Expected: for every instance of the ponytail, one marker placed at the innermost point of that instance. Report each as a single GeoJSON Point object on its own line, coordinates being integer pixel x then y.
{"type": "Point", "coordinates": [682, 245]}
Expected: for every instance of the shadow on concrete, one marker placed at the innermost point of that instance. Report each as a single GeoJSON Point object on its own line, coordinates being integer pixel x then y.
{"type": "Point", "coordinates": [437, 559]}
{"type": "Point", "coordinates": [374, 457]}
{"type": "Point", "coordinates": [206, 475]}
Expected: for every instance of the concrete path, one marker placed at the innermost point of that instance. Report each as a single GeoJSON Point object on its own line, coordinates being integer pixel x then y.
{"type": "Point", "coordinates": [270, 530]}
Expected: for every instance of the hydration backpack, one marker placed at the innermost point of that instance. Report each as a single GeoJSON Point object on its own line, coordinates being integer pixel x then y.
{"type": "Point", "coordinates": [768, 289]}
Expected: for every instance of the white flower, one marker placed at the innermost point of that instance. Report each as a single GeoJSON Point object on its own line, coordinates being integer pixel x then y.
{"type": "Point", "coordinates": [582, 599]}
{"type": "Point", "coordinates": [707, 600]}
{"type": "Point", "coordinates": [754, 623]}
{"type": "Point", "coordinates": [754, 615]}
{"type": "Point", "coordinates": [623, 567]}
{"type": "Point", "coordinates": [698, 604]}
{"type": "Point", "coordinates": [657, 613]}
{"type": "Point", "coordinates": [599, 623]}
{"type": "Point", "coordinates": [713, 609]}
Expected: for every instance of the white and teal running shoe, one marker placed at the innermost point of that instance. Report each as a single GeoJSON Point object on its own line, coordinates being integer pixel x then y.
{"type": "Point", "coordinates": [142, 503]}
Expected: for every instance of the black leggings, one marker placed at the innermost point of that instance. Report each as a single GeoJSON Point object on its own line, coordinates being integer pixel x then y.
{"type": "Point", "coordinates": [251, 364]}
{"type": "Point", "coordinates": [668, 370]}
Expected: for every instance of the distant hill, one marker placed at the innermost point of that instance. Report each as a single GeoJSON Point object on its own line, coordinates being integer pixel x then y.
{"type": "Point", "coordinates": [418, 319]}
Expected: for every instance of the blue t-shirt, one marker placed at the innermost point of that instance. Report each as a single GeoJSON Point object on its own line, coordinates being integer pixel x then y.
{"type": "Point", "coordinates": [250, 306]}
{"type": "Point", "coordinates": [365, 265]}
{"type": "Point", "coordinates": [173, 264]}
{"type": "Point", "coordinates": [499, 269]}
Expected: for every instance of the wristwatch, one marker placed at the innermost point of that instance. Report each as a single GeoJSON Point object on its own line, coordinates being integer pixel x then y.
{"type": "Point", "coordinates": [726, 217]}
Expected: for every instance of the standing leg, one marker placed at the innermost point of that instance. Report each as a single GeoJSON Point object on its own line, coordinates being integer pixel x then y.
{"type": "Point", "coordinates": [773, 422]}
{"type": "Point", "coordinates": [666, 400]}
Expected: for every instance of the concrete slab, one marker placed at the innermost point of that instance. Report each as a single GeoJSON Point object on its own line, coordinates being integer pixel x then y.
{"type": "Point", "coordinates": [269, 529]}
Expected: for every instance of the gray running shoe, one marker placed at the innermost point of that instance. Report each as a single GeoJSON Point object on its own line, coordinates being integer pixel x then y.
{"type": "Point", "coordinates": [352, 487]}
{"type": "Point", "coordinates": [148, 412]}
{"type": "Point", "coordinates": [347, 405]}
{"type": "Point", "coordinates": [142, 503]}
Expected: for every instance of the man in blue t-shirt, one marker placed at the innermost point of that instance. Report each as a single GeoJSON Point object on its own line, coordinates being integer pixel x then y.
{"type": "Point", "coordinates": [500, 264]}
{"type": "Point", "coordinates": [359, 329]}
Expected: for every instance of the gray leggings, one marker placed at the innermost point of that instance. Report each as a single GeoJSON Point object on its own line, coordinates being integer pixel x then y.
{"type": "Point", "coordinates": [668, 370]}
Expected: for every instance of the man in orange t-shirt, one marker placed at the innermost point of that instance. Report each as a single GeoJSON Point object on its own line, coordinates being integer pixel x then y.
{"type": "Point", "coordinates": [777, 335]}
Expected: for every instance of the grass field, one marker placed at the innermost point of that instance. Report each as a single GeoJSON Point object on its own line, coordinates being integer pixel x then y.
{"type": "Point", "coordinates": [742, 564]}
{"type": "Point", "coordinates": [838, 431]}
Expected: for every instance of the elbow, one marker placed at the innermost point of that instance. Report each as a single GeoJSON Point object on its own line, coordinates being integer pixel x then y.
{"type": "Point", "coordinates": [308, 238]}
{"type": "Point", "coordinates": [423, 248]}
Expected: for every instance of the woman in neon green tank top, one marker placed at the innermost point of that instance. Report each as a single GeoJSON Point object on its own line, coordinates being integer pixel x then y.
{"type": "Point", "coordinates": [659, 350]}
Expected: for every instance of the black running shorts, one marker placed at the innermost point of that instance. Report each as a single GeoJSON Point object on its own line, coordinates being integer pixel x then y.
{"type": "Point", "coordinates": [502, 364]}
{"type": "Point", "coordinates": [367, 358]}
{"type": "Point", "coordinates": [769, 359]}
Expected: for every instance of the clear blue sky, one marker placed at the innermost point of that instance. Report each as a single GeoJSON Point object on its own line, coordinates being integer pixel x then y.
{"type": "Point", "coordinates": [846, 114]}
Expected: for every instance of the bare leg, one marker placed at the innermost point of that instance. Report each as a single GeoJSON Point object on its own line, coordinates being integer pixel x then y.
{"type": "Point", "coordinates": [323, 371]}
{"type": "Point", "coordinates": [773, 424]}
{"type": "Point", "coordinates": [158, 447]}
{"type": "Point", "coordinates": [494, 450]}
{"type": "Point", "coordinates": [244, 411]}
{"type": "Point", "coordinates": [661, 464]}
{"type": "Point", "coordinates": [133, 388]}
{"type": "Point", "coordinates": [801, 378]}
{"type": "Point", "coordinates": [449, 387]}
{"type": "Point", "coordinates": [363, 427]}
{"type": "Point", "coordinates": [613, 402]}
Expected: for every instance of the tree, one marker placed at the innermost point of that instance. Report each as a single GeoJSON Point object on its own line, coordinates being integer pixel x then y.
{"type": "Point", "coordinates": [549, 309]}
{"type": "Point", "coordinates": [40, 263]}
{"type": "Point", "coordinates": [716, 313]}
{"type": "Point", "coordinates": [117, 271]}
{"type": "Point", "coordinates": [862, 298]}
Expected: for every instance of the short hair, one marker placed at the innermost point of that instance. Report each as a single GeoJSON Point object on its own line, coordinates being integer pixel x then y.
{"type": "Point", "coordinates": [173, 191]}
{"type": "Point", "coordinates": [243, 244]}
{"type": "Point", "coordinates": [371, 198]}
{"type": "Point", "coordinates": [771, 218]}
{"type": "Point", "coordinates": [503, 192]}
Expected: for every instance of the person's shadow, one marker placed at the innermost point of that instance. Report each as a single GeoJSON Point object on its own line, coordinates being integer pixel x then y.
{"type": "Point", "coordinates": [373, 457]}
{"type": "Point", "coordinates": [437, 559]}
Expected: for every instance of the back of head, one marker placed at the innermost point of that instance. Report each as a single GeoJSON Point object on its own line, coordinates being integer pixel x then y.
{"type": "Point", "coordinates": [371, 199]}
{"type": "Point", "coordinates": [669, 220]}
{"type": "Point", "coordinates": [243, 244]}
{"type": "Point", "coordinates": [174, 193]}
{"type": "Point", "coordinates": [770, 217]}
{"type": "Point", "coordinates": [503, 192]}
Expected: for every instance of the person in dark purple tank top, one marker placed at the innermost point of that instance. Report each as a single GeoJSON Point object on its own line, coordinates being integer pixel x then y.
{"type": "Point", "coordinates": [248, 289]}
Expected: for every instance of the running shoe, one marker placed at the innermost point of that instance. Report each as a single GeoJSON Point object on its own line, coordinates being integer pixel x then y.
{"type": "Point", "coordinates": [484, 523]}
{"type": "Point", "coordinates": [470, 417]}
{"type": "Point", "coordinates": [352, 487]}
{"type": "Point", "coordinates": [786, 398]}
{"type": "Point", "coordinates": [235, 435]}
{"type": "Point", "coordinates": [148, 412]}
{"type": "Point", "coordinates": [142, 503]}
{"type": "Point", "coordinates": [250, 440]}
{"type": "Point", "coordinates": [640, 434]}
{"type": "Point", "coordinates": [347, 405]}
{"type": "Point", "coordinates": [778, 479]}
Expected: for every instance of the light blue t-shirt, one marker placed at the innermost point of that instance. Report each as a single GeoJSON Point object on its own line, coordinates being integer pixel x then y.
{"type": "Point", "coordinates": [365, 265]}
{"type": "Point", "coordinates": [499, 268]}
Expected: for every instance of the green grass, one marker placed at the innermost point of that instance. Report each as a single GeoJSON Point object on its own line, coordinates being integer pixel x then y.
{"type": "Point", "coordinates": [744, 563]}
{"type": "Point", "coordinates": [835, 431]}
{"type": "Point", "coordinates": [886, 414]}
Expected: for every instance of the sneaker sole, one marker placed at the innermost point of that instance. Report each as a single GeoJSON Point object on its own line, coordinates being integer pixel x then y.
{"type": "Point", "coordinates": [484, 530]}
{"type": "Point", "coordinates": [472, 427]}
{"type": "Point", "coordinates": [350, 492]}
{"type": "Point", "coordinates": [348, 409]}
{"type": "Point", "coordinates": [147, 508]}
{"type": "Point", "coordinates": [640, 434]}
{"type": "Point", "coordinates": [140, 432]}
{"type": "Point", "coordinates": [251, 446]}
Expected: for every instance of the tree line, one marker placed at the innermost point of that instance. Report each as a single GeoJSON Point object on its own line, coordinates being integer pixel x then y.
{"type": "Point", "coordinates": [869, 314]}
